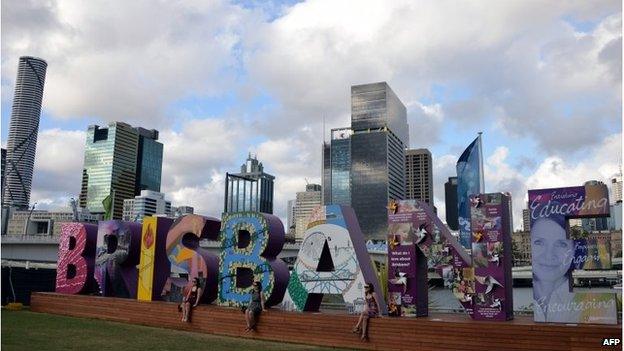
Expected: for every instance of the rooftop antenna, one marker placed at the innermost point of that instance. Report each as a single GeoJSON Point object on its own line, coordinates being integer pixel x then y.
{"type": "Point", "coordinates": [323, 129]}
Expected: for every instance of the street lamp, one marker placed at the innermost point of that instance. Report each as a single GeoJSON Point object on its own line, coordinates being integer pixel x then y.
{"type": "Point", "coordinates": [28, 219]}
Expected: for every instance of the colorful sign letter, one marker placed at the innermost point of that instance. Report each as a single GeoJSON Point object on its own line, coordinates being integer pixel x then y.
{"type": "Point", "coordinates": [188, 259]}
{"type": "Point", "coordinates": [154, 264]}
{"type": "Point", "coordinates": [417, 239]}
{"type": "Point", "coordinates": [74, 274]}
{"type": "Point", "coordinates": [250, 243]}
{"type": "Point", "coordinates": [116, 258]}
{"type": "Point", "coordinates": [554, 256]}
{"type": "Point", "coordinates": [332, 260]}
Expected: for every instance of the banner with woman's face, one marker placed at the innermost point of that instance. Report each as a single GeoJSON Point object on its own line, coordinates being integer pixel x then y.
{"type": "Point", "coordinates": [555, 255]}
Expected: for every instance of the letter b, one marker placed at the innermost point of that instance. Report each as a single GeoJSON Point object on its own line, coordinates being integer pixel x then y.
{"type": "Point", "coordinates": [74, 274]}
{"type": "Point", "coordinates": [250, 243]}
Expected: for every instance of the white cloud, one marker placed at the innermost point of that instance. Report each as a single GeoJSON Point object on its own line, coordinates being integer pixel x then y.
{"type": "Point", "coordinates": [58, 167]}
{"type": "Point", "coordinates": [519, 66]}
{"type": "Point", "coordinates": [518, 63]}
{"type": "Point", "coordinates": [200, 148]}
{"type": "Point", "coordinates": [126, 61]}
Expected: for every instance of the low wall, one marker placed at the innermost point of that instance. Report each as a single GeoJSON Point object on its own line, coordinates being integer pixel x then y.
{"type": "Point", "coordinates": [437, 332]}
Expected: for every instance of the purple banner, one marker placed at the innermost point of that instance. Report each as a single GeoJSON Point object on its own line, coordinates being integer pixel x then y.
{"type": "Point", "coordinates": [555, 255]}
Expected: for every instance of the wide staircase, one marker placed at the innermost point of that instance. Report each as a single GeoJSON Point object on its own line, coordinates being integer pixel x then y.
{"type": "Point", "coordinates": [436, 332]}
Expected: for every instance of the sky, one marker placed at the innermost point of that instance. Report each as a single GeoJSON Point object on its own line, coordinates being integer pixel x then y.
{"type": "Point", "coordinates": [541, 79]}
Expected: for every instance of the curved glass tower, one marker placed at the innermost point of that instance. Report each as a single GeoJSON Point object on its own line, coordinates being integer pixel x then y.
{"type": "Point", "coordinates": [23, 129]}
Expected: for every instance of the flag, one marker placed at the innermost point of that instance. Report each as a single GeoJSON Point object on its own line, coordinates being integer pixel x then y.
{"type": "Point", "coordinates": [469, 182]}
{"type": "Point", "coordinates": [108, 207]}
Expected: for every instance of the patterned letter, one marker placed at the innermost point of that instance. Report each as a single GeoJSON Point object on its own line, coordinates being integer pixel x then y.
{"type": "Point", "coordinates": [154, 267]}
{"type": "Point", "coordinates": [250, 243]}
{"type": "Point", "coordinates": [117, 257]}
{"type": "Point", "coordinates": [74, 274]}
{"type": "Point", "coordinates": [188, 259]}
{"type": "Point", "coordinates": [332, 260]}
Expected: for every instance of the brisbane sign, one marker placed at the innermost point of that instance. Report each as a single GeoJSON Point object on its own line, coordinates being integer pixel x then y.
{"type": "Point", "coordinates": [160, 258]}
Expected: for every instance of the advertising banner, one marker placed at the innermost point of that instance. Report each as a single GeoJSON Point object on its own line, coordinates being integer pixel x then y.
{"type": "Point", "coordinates": [555, 254]}
{"type": "Point", "coordinates": [491, 239]}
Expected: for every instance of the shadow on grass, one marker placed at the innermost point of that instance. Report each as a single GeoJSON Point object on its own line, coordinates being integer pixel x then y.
{"type": "Point", "coordinates": [25, 330]}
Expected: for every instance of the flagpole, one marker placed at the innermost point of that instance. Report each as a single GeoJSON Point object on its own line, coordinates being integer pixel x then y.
{"type": "Point", "coordinates": [482, 174]}
{"type": "Point", "coordinates": [113, 205]}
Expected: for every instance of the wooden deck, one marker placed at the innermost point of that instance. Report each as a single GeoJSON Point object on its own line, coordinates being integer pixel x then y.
{"type": "Point", "coordinates": [437, 332]}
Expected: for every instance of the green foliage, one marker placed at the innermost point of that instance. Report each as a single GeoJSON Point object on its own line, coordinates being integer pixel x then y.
{"type": "Point", "coordinates": [577, 232]}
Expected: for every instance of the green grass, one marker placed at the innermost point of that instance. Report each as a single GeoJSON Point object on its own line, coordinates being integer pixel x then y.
{"type": "Point", "coordinates": [25, 330]}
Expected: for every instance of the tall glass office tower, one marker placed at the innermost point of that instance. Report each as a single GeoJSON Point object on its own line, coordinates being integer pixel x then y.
{"type": "Point", "coordinates": [114, 165]}
{"type": "Point", "coordinates": [341, 166]}
{"type": "Point", "coordinates": [380, 136]}
{"type": "Point", "coordinates": [149, 161]}
{"type": "Point", "coordinates": [367, 161]}
{"type": "Point", "coordinates": [23, 130]}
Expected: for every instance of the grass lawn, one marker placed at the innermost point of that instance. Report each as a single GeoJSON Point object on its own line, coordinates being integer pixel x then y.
{"type": "Point", "coordinates": [25, 330]}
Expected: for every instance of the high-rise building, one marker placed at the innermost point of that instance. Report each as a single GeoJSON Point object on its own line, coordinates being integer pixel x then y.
{"type": "Point", "coordinates": [149, 161]}
{"type": "Point", "coordinates": [380, 136]}
{"type": "Point", "coordinates": [114, 166]}
{"type": "Point", "coordinates": [147, 204]}
{"type": "Point", "coordinates": [616, 189]}
{"type": "Point", "coordinates": [340, 170]}
{"type": "Point", "coordinates": [3, 164]}
{"type": "Point", "coordinates": [419, 175]}
{"type": "Point", "coordinates": [326, 181]}
{"type": "Point", "coordinates": [23, 130]}
{"type": "Point", "coordinates": [526, 220]}
{"type": "Point", "coordinates": [364, 165]}
{"type": "Point", "coordinates": [598, 223]}
{"type": "Point", "coordinates": [614, 220]}
{"type": "Point", "coordinates": [306, 202]}
{"type": "Point", "coordinates": [249, 190]}
{"type": "Point", "coordinates": [450, 203]}
{"type": "Point", "coordinates": [521, 252]}
{"type": "Point", "coordinates": [291, 215]}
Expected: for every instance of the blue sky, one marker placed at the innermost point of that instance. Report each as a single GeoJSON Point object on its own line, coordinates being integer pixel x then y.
{"type": "Point", "coordinates": [220, 79]}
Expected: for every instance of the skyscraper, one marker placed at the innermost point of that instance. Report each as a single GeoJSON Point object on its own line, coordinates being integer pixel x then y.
{"type": "Point", "coordinates": [23, 130]}
{"type": "Point", "coordinates": [291, 215]}
{"type": "Point", "coordinates": [340, 173]}
{"type": "Point", "coordinates": [249, 190]}
{"type": "Point", "coordinates": [419, 175]}
{"type": "Point", "coordinates": [450, 203]}
{"type": "Point", "coordinates": [148, 203]}
{"type": "Point", "coordinates": [111, 166]}
{"type": "Point", "coordinates": [526, 220]}
{"type": "Point", "coordinates": [306, 202]}
{"type": "Point", "coordinates": [616, 189]}
{"type": "Point", "coordinates": [326, 181]}
{"type": "Point", "coordinates": [380, 136]}
{"type": "Point", "coordinates": [149, 161]}
{"type": "Point", "coordinates": [3, 163]}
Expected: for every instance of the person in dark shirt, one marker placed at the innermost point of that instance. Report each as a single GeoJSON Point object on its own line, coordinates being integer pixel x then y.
{"type": "Point", "coordinates": [191, 300]}
{"type": "Point", "coordinates": [256, 306]}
